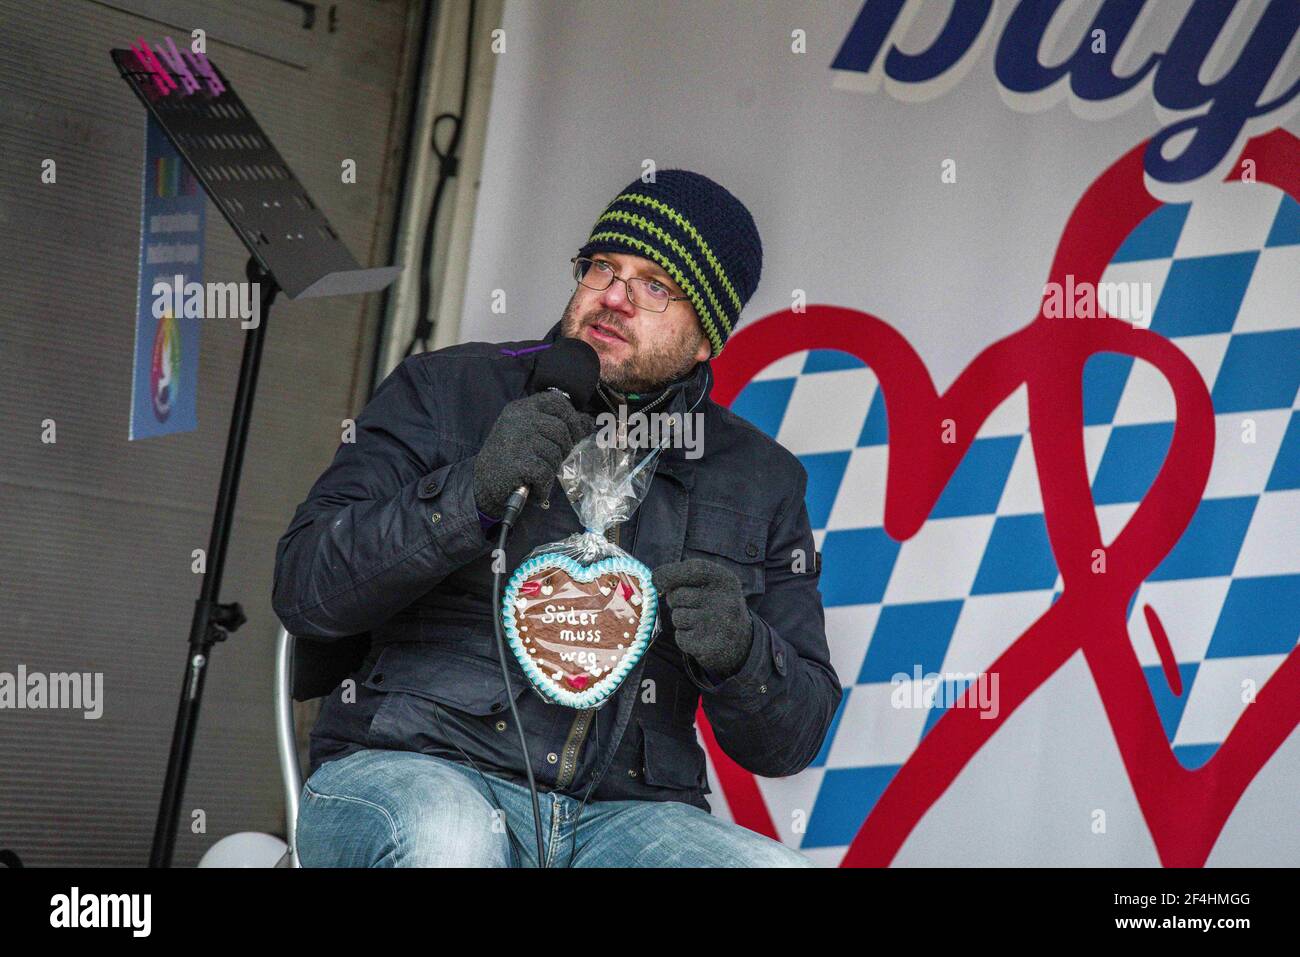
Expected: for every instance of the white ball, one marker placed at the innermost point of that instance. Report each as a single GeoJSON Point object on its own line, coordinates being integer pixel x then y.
{"type": "Point", "coordinates": [245, 849]}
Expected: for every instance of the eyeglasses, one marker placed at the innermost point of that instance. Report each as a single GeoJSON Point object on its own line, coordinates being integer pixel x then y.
{"type": "Point", "coordinates": [648, 294]}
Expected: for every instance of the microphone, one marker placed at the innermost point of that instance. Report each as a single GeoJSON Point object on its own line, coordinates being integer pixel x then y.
{"type": "Point", "coordinates": [571, 368]}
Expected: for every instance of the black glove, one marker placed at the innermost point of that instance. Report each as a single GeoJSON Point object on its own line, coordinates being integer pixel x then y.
{"type": "Point", "coordinates": [709, 614]}
{"type": "Point", "coordinates": [528, 441]}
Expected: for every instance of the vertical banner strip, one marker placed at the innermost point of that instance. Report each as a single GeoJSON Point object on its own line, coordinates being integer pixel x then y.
{"type": "Point", "coordinates": [169, 297]}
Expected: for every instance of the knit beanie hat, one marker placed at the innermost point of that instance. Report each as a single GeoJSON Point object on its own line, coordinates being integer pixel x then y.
{"type": "Point", "coordinates": [698, 232]}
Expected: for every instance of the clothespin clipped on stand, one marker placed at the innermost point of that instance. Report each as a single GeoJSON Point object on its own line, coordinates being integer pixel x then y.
{"type": "Point", "coordinates": [162, 80]}
{"type": "Point", "coordinates": [206, 70]}
{"type": "Point", "coordinates": [176, 63]}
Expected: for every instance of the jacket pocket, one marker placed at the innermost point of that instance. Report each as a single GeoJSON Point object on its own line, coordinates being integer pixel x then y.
{"type": "Point", "coordinates": [669, 761]}
{"type": "Point", "coordinates": [732, 539]}
{"type": "Point", "coordinates": [433, 671]}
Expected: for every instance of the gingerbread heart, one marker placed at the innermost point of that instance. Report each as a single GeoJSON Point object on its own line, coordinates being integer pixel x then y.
{"type": "Point", "coordinates": [578, 630]}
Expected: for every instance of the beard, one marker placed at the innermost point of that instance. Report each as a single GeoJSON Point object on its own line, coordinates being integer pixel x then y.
{"type": "Point", "coordinates": [650, 365]}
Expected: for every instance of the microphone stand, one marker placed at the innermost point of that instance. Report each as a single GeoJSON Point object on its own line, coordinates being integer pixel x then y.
{"type": "Point", "coordinates": [212, 620]}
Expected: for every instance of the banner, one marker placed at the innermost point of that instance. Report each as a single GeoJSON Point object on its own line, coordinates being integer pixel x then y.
{"type": "Point", "coordinates": [1030, 318]}
{"type": "Point", "coordinates": [164, 386]}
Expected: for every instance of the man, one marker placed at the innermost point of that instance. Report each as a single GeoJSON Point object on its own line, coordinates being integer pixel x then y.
{"type": "Point", "coordinates": [414, 759]}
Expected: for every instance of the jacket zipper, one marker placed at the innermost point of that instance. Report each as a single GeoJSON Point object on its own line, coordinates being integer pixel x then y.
{"type": "Point", "coordinates": [646, 408]}
{"type": "Point", "coordinates": [582, 721]}
{"type": "Point", "coordinates": [654, 402]}
{"type": "Point", "coordinates": [572, 746]}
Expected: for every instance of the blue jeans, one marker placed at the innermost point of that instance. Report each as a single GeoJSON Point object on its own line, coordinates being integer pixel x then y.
{"type": "Point", "coordinates": [382, 808]}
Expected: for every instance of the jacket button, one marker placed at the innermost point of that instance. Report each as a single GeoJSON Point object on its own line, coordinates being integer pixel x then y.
{"type": "Point", "coordinates": [436, 517]}
{"type": "Point", "coordinates": [546, 504]}
{"type": "Point", "coordinates": [552, 758]}
{"type": "Point", "coordinates": [762, 689]}
{"type": "Point", "coordinates": [500, 726]}
{"type": "Point", "coordinates": [430, 488]}
{"type": "Point", "coordinates": [631, 772]}
{"type": "Point", "coordinates": [780, 660]}
{"type": "Point", "coordinates": [496, 706]}
{"type": "Point", "coordinates": [751, 550]}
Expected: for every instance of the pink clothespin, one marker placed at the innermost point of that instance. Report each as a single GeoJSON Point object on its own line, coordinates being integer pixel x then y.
{"type": "Point", "coordinates": [162, 80]}
{"type": "Point", "coordinates": [205, 70]}
{"type": "Point", "coordinates": [172, 57]}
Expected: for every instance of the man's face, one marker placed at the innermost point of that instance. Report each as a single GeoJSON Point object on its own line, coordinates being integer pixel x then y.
{"type": "Point", "coordinates": [639, 349]}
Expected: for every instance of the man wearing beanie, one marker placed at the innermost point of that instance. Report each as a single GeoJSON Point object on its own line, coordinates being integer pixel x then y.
{"type": "Point", "coordinates": [415, 760]}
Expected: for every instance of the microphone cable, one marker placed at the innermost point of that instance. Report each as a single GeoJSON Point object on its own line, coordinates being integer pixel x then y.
{"type": "Point", "coordinates": [507, 523]}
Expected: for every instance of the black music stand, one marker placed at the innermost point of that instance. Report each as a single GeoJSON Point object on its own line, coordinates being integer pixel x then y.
{"type": "Point", "coordinates": [292, 248]}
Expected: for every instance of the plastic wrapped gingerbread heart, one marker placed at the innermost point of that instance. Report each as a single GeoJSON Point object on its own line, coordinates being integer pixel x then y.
{"type": "Point", "coordinates": [578, 630]}
{"type": "Point", "coordinates": [578, 614]}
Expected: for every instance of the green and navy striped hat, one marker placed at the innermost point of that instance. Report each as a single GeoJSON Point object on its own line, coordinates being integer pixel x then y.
{"type": "Point", "coordinates": [698, 232]}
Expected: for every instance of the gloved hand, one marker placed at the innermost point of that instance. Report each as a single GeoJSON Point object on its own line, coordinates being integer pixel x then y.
{"type": "Point", "coordinates": [526, 445]}
{"type": "Point", "coordinates": [709, 614]}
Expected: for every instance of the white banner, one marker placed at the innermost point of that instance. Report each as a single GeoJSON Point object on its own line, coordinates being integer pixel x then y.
{"type": "Point", "coordinates": [1041, 261]}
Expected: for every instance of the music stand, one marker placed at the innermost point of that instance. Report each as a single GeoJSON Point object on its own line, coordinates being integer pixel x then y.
{"type": "Point", "coordinates": [292, 248]}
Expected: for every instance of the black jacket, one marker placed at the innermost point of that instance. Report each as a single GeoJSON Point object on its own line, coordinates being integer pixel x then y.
{"type": "Point", "coordinates": [389, 543]}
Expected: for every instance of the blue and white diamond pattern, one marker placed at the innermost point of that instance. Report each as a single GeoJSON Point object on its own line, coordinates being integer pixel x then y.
{"type": "Point", "coordinates": [1225, 275]}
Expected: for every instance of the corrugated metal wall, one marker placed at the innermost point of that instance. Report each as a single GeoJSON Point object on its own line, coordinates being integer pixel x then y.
{"type": "Point", "coordinates": [95, 551]}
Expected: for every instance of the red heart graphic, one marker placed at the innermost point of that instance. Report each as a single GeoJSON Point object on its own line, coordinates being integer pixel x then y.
{"type": "Point", "coordinates": [1185, 810]}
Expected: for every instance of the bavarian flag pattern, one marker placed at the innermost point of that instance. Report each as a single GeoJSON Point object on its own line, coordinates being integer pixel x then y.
{"type": "Point", "coordinates": [701, 235]}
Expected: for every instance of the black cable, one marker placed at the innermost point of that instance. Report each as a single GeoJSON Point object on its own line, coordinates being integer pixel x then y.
{"type": "Point", "coordinates": [448, 166]}
{"type": "Point", "coordinates": [510, 696]}
{"type": "Point", "coordinates": [409, 147]}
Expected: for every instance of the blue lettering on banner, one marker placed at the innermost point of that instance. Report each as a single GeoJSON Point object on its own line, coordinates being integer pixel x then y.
{"type": "Point", "coordinates": [1219, 110]}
